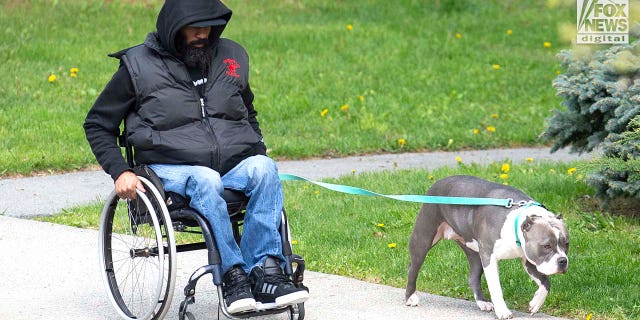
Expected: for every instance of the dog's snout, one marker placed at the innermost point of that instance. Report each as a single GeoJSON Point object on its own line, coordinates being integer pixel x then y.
{"type": "Point", "coordinates": [562, 261]}
{"type": "Point", "coordinates": [562, 264]}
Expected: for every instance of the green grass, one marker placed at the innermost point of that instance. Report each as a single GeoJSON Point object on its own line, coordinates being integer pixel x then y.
{"type": "Point", "coordinates": [340, 234]}
{"type": "Point", "coordinates": [401, 70]}
{"type": "Point", "coordinates": [351, 236]}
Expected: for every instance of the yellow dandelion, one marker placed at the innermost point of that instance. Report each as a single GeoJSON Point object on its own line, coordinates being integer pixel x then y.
{"type": "Point", "coordinates": [552, 170]}
{"type": "Point", "coordinates": [344, 107]}
{"type": "Point", "coordinates": [547, 44]}
{"type": "Point", "coordinates": [529, 159]}
{"type": "Point", "coordinates": [431, 178]}
{"type": "Point", "coordinates": [52, 78]}
{"type": "Point", "coordinates": [349, 27]}
{"type": "Point", "coordinates": [392, 245]}
{"type": "Point", "coordinates": [496, 67]}
{"type": "Point", "coordinates": [571, 170]}
{"type": "Point", "coordinates": [589, 316]}
{"type": "Point", "coordinates": [324, 112]}
{"type": "Point", "coordinates": [294, 242]}
{"type": "Point", "coordinates": [509, 32]}
{"type": "Point", "coordinates": [505, 183]}
{"type": "Point", "coordinates": [73, 75]}
{"type": "Point", "coordinates": [458, 159]}
{"type": "Point", "coordinates": [504, 176]}
{"type": "Point", "coordinates": [317, 193]}
{"type": "Point", "coordinates": [74, 70]}
{"type": "Point", "coordinates": [402, 142]}
{"type": "Point", "coordinates": [495, 116]}
{"type": "Point", "coordinates": [491, 129]}
{"type": "Point", "coordinates": [353, 171]}
{"type": "Point", "coordinates": [476, 131]}
{"type": "Point", "coordinates": [505, 168]}
{"type": "Point", "coordinates": [458, 35]}
{"type": "Point", "coordinates": [380, 225]}
{"type": "Point", "coordinates": [361, 98]}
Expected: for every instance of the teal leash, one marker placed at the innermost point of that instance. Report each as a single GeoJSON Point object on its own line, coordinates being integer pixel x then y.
{"type": "Point", "coordinates": [507, 203]}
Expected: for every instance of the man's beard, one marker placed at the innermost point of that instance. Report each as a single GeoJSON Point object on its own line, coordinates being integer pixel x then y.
{"type": "Point", "coordinates": [195, 57]}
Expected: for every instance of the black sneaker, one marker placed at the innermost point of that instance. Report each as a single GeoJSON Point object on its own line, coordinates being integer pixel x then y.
{"type": "Point", "coordinates": [236, 290]}
{"type": "Point", "coordinates": [270, 285]}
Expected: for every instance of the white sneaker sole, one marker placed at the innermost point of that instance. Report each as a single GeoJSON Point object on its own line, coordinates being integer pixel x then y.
{"type": "Point", "coordinates": [292, 298]}
{"type": "Point", "coordinates": [242, 305]}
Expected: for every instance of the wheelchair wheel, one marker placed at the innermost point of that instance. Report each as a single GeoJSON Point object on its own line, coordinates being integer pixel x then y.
{"type": "Point", "coordinates": [138, 254]}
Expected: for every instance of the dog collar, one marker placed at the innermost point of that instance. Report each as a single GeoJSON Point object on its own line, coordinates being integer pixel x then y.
{"type": "Point", "coordinates": [516, 223]}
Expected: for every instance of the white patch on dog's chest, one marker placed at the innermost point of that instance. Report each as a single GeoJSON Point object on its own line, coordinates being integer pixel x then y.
{"type": "Point", "coordinates": [505, 247]}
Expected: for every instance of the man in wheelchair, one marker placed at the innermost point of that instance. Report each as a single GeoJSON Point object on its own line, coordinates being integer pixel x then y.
{"type": "Point", "coordinates": [185, 99]}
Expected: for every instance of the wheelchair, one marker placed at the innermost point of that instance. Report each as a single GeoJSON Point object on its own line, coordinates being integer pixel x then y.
{"type": "Point", "coordinates": [138, 250]}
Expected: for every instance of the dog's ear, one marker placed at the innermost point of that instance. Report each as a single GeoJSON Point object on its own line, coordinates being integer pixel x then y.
{"type": "Point", "coordinates": [529, 221]}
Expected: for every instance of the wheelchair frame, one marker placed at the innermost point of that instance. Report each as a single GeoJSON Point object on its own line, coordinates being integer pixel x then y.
{"type": "Point", "coordinates": [138, 250]}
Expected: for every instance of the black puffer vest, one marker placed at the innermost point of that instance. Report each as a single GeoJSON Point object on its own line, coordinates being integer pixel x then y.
{"type": "Point", "coordinates": [172, 125]}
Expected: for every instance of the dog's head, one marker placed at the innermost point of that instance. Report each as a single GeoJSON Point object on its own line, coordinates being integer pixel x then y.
{"type": "Point", "coordinates": [546, 243]}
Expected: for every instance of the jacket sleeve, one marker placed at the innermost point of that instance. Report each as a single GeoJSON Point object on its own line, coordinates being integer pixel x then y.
{"type": "Point", "coordinates": [247, 97]}
{"type": "Point", "coordinates": [102, 124]}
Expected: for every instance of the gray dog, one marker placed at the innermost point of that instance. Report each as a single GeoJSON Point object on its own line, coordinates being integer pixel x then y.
{"type": "Point", "coordinates": [487, 234]}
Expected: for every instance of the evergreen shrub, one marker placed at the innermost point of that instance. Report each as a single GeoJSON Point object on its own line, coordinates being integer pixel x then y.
{"type": "Point", "coordinates": [617, 173]}
{"type": "Point", "coordinates": [601, 99]}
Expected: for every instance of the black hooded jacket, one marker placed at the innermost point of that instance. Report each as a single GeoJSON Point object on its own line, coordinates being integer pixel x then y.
{"type": "Point", "coordinates": [168, 119]}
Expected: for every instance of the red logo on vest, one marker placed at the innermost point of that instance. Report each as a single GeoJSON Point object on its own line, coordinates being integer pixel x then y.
{"type": "Point", "coordinates": [232, 66]}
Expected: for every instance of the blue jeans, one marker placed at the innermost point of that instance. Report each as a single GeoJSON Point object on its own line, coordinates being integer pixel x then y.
{"type": "Point", "coordinates": [257, 177]}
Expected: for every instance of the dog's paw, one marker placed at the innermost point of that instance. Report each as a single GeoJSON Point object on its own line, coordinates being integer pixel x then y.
{"type": "Point", "coordinates": [413, 300]}
{"type": "Point", "coordinates": [538, 300]}
{"type": "Point", "coordinates": [484, 305]}
{"type": "Point", "coordinates": [503, 313]}
{"type": "Point", "coordinates": [535, 305]}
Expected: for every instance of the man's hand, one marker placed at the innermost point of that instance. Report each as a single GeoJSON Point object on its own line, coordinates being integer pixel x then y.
{"type": "Point", "coordinates": [126, 185]}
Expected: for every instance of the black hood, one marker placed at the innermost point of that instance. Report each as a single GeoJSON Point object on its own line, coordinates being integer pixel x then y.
{"type": "Point", "coordinates": [176, 14]}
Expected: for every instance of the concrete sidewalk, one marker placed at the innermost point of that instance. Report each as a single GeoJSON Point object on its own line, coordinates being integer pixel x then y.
{"type": "Point", "coordinates": [52, 272]}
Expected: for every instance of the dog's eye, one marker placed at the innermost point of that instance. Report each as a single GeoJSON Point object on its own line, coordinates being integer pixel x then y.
{"type": "Point", "coordinates": [547, 247]}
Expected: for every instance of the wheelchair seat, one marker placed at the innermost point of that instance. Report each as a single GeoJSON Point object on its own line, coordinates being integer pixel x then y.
{"type": "Point", "coordinates": [183, 216]}
{"type": "Point", "coordinates": [178, 205]}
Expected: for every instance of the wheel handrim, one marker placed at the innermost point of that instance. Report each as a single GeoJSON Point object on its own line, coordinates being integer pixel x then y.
{"type": "Point", "coordinates": [133, 261]}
